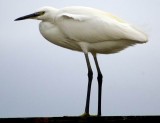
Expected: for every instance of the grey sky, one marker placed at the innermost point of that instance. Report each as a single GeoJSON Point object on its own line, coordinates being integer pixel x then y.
{"type": "Point", "coordinates": [38, 78]}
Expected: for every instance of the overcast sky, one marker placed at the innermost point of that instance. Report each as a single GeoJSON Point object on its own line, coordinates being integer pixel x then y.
{"type": "Point", "coordinates": [38, 78]}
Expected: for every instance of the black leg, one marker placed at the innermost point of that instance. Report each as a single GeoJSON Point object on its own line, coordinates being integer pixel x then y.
{"type": "Point", "coordinates": [99, 78]}
{"type": "Point", "coordinates": [90, 77]}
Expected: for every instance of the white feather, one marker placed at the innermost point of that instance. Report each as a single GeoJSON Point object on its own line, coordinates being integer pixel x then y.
{"type": "Point", "coordinates": [92, 25]}
{"type": "Point", "coordinates": [89, 30]}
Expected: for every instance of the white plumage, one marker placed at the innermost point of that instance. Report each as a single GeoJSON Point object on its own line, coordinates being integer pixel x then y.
{"type": "Point", "coordinates": [87, 30]}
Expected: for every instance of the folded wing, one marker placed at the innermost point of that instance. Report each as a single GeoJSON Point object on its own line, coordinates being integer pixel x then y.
{"type": "Point", "coordinates": [88, 27]}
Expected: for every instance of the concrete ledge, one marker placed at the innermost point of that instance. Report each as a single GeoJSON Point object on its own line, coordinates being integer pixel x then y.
{"type": "Point", "coordinates": [103, 119]}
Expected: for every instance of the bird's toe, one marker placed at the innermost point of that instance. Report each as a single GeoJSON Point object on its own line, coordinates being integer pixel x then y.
{"type": "Point", "coordinates": [85, 115]}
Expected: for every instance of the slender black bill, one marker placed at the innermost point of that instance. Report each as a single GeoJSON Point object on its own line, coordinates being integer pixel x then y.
{"type": "Point", "coordinates": [27, 16]}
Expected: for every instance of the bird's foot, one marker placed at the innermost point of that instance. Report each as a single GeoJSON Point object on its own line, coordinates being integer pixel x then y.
{"type": "Point", "coordinates": [95, 115]}
{"type": "Point", "coordinates": [88, 115]}
{"type": "Point", "coordinates": [85, 115]}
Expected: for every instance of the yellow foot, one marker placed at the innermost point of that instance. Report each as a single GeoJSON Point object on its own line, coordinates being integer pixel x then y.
{"type": "Point", "coordinates": [85, 115]}
{"type": "Point", "coordinates": [88, 115]}
{"type": "Point", "coordinates": [94, 115]}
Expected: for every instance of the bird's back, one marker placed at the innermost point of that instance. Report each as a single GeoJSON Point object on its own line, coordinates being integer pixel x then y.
{"type": "Point", "coordinates": [94, 30]}
{"type": "Point", "coordinates": [92, 22]}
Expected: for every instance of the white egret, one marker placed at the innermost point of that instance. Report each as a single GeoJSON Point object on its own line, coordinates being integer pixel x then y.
{"type": "Point", "coordinates": [87, 30]}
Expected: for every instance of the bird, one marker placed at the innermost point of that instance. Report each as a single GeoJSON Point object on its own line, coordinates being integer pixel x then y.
{"type": "Point", "coordinates": [90, 31]}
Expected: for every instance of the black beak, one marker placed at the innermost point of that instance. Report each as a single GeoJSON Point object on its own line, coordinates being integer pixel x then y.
{"type": "Point", "coordinates": [27, 16]}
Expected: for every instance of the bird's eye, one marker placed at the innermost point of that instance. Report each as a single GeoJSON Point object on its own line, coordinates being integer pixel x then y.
{"type": "Point", "coordinates": [40, 13]}
{"type": "Point", "coordinates": [43, 12]}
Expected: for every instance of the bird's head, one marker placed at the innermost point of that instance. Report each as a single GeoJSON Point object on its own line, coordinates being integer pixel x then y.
{"type": "Point", "coordinates": [44, 13]}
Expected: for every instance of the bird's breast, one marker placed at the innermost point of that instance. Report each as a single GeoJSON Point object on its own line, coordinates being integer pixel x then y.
{"type": "Point", "coordinates": [49, 31]}
{"type": "Point", "coordinates": [53, 34]}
